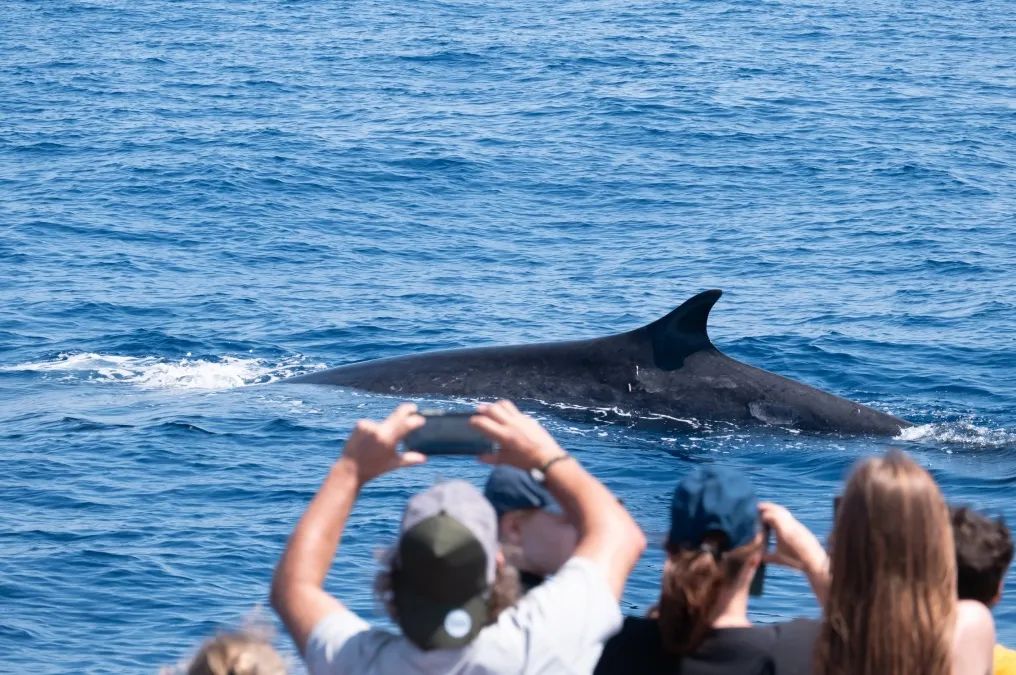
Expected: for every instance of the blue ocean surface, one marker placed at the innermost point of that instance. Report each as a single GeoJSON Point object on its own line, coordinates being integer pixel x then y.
{"type": "Point", "coordinates": [200, 199]}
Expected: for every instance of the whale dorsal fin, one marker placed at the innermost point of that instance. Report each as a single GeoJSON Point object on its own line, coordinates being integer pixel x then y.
{"type": "Point", "coordinates": [683, 331]}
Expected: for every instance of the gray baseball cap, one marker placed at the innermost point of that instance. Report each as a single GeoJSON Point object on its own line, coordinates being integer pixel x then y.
{"type": "Point", "coordinates": [445, 565]}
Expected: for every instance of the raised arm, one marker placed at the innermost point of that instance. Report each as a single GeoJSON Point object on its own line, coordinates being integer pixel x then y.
{"type": "Point", "coordinates": [797, 547]}
{"type": "Point", "coordinates": [608, 537]}
{"type": "Point", "coordinates": [298, 593]}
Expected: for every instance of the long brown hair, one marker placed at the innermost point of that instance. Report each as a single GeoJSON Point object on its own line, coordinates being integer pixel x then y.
{"type": "Point", "coordinates": [692, 583]}
{"type": "Point", "coordinates": [892, 600]}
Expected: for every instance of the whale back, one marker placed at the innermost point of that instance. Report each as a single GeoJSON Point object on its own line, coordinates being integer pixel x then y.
{"type": "Point", "coordinates": [668, 367]}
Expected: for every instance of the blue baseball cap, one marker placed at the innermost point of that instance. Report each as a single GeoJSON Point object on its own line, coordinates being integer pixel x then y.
{"type": "Point", "coordinates": [510, 489]}
{"type": "Point", "coordinates": [713, 499]}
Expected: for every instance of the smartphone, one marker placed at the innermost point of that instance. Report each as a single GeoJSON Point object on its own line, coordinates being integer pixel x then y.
{"type": "Point", "coordinates": [758, 581]}
{"type": "Point", "coordinates": [448, 433]}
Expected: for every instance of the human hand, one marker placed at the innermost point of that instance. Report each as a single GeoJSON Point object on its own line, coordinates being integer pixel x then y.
{"type": "Point", "coordinates": [796, 546]}
{"type": "Point", "coordinates": [372, 448]}
{"type": "Point", "coordinates": [522, 441]}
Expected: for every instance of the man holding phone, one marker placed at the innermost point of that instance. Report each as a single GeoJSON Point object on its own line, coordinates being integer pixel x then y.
{"type": "Point", "coordinates": [447, 559]}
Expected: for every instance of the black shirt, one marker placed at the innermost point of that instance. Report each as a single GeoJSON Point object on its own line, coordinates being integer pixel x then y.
{"type": "Point", "coordinates": [772, 649]}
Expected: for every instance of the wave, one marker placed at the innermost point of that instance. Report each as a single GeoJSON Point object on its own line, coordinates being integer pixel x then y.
{"type": "Point", "coordinates": [153, 372]}
{"type": "Point", "coordinates": [961, 433]}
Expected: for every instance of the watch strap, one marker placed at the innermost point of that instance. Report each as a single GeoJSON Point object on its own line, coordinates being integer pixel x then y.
{"type": "Point", "coordinates": [540, 474]}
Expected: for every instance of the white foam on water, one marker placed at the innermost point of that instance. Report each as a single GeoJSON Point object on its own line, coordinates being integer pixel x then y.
{"type": "Point", "coordinates": [606, 413]}
{"type": "Point", "coordinates": [152, 372]}
{"type": "Point", "coordinates": [962, 433]}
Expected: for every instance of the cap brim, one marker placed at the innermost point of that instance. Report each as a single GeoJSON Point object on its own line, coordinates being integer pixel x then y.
{"type": "Point", "coordinates": [427, 624]}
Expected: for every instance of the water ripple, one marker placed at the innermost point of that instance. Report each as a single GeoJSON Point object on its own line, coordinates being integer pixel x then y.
{"type": "Point", "coordinates": [194, 205]}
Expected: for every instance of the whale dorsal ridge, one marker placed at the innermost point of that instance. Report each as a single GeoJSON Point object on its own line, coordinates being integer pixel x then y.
{"type": "Point", "coordinates": [683, 331]}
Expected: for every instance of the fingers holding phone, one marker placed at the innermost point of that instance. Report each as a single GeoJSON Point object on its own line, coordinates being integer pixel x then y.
{"type": "Point", "coordinates": [521, 441]}
{"type": "Point", "coordinates": [497, 433]}
{"type": "Point", "coordinates": [758, 581]}
{"type": "Point", "coordinates": [373, 446]}
{"type": "Point", "coordinates": [446, 432]}
{"type": "Point", "coordinates": [796, 546]}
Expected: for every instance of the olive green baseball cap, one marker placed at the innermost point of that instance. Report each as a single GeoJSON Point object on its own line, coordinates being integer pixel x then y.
{"type": "Point", "coordinates": [445, 566]}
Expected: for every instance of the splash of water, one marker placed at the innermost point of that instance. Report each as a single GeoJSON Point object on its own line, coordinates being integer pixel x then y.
{"type": "Point", "coordinates": [962, 433]}
{"type": "Point", "coordinates": [152, 372]}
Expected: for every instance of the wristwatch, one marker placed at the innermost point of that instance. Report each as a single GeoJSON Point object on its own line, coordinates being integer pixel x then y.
{"type": "Point", "coordinates": [540, 474]}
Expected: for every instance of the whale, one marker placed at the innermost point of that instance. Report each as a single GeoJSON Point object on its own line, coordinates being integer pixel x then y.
{"type": "Point", "coordinates": [666, 370]}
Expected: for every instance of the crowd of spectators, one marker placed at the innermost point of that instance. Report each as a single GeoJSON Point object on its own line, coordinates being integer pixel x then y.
{"type": "Point", "coordinates": [527, 576]}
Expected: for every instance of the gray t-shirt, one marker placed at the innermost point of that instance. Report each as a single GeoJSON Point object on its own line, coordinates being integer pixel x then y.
{"type": "Point", "coordinates": [558, 627]}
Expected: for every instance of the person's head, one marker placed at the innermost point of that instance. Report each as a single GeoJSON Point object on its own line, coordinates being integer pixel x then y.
{"type": "Point", "coordinates": [535, 535]}
{"type": "Point", "coordinates": [713, 549]}
{"type": "Point", "coordinates": [238, 653]}
{"type": "Point", "coordinates": [983, 553]}
{"type": "Point", "coordinates": [446, 578]}
{"type": "Point", "coordinates": [892, 598]}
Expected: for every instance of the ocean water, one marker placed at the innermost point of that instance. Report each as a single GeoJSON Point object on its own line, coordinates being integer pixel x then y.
{"type": "Point", "coordinates": [200, 199]}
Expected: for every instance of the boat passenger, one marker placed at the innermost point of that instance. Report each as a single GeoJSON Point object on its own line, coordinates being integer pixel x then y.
{"type": "Point", "coordinates": [984, 551]}
{"type": "Point", "coordinates": [700, 625]}
{"type": "Point", "coordinates": [243, 652]}
{"type": "Point", "coordinates": [890, 601]}
{"type": "Point", "coordinates": [536, 536]}
{"type": "Point", "coordinates": [446, 564]}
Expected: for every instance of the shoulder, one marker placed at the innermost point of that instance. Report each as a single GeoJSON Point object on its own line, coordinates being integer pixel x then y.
{"type": "Point", "coordinates": [973, 616]}
{"type": "Point", "coordinates": [580, 568]}
{"type": "Point", "coordinates": [563, 623]}
{"type": "Point", "coordinates": [974, 625]}
{"type": "Point", "coordinates": [973, 638]}
{"type": "Point", "coordinates": [797, 630]}
{"type": "Point", "coordinates": [577, 589]}
{"type": "Point", "coordinates": [637, 647]}
{"type": "Point", "coordinates": [794, 645]}
{"type": "Point", "coordinates": [341, 639]}
{"type": "Point", "coordinates": [635, 630]}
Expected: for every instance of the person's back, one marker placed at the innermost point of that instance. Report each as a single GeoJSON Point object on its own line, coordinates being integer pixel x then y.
{"type": "Point", "coordinates": [892, 606]}
{"type": "Point", "coordinates": [701, 626]}
{"type": "Point", "coordinates": [776, 649]}
{"type": "Point", "coordinates": [984, 551]}
{"type": "Point", "coordinates": [446, 627]}
{"type": "Point", "coordinates": [443, 578]}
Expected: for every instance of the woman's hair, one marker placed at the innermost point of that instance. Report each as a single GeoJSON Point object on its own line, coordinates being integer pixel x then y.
{"type": "Point", "coordinates": [692, 583]}
{"type": "Point", "coordinates": [239, 653]}
{"type": "Point", "coordinates": [892, 599]}
{"type": "Point", "coordinates": [504, 592]}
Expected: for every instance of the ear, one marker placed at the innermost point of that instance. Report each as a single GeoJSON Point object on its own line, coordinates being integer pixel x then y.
{"type": "Point", "coordinates": [998, 595]}
{"type": "Point", "coordinates": [499, 560]}
{"type": "Point", "coordinates": [510, 527]}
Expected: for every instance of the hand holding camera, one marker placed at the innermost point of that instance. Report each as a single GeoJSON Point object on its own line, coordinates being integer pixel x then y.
{"type": "Point", "coordinates": [497, 433]}
{"type": "Point", "coordinates": [522, 441]}
{"type": "Point", "coordinates": [372, 448]}
{"type": "Point", "coordinates": [446, 432]}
